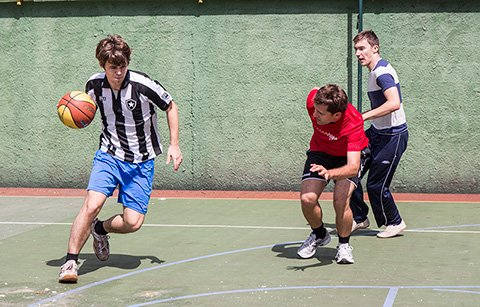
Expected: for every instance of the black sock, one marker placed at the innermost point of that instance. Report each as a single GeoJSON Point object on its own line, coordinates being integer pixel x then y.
{"type": "Point", "coordinates": [99, 228]}
{"type": "Point", "coordinates": [343, 240]}
{"type": "Point", "coordinates": [320, 232]}
{"type": "Point", "coordinates": [71, 257]}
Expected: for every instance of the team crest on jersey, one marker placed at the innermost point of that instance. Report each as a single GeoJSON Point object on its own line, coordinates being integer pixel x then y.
{"type": "Point", "coordinates": [131, 104]}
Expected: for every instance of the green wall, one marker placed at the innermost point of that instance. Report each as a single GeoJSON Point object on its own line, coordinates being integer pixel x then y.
{"type": "Point", "coordinates": [240, 72]}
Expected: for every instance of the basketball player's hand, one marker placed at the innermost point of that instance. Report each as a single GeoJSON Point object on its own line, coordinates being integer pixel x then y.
{"type": "Point", "coordinates": [322, 171]}
{"type": "Point", "coordinates": [174, 154]}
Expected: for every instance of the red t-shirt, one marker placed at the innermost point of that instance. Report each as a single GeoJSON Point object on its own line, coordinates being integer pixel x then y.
{"type": "Point", "coordinates": [336, 139]}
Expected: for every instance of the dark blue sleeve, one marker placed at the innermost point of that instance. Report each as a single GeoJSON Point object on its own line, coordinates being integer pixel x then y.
{"type": "Point", "coordinates": [385, 82]}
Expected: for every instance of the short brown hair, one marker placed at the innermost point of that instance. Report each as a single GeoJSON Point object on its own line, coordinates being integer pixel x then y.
{"type": "Point", "coordinates": [333, 96]}
{"type": "Point", "coordinates": [113, 49]}
{"type": "Point", "coordinates": [370, 36]}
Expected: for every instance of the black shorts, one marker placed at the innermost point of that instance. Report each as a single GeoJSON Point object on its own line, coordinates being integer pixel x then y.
{"type": "Point", "coordinates": [327, 161]}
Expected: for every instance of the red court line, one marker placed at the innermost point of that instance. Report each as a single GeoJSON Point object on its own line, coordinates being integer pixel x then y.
{"type": "Point", "coordinates": [280, 195]}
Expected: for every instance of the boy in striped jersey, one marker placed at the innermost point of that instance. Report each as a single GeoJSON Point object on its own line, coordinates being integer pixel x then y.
{"type": "Point", "coordinates": [129, 142]}
{"type": "Point", "coordinates": [388, 137]}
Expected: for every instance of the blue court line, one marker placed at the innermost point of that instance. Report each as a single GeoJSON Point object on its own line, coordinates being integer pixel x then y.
{"type": "Point", "coordinates": [388, 302]}
{"type": "Point", "coordinates": [98, 283]}
{"type": "Point", "coordinates": [392, 294]}
{"type": "Point", "coordinates": [461, 291]}
{"type": "Point", "coordinates": [251, 291]}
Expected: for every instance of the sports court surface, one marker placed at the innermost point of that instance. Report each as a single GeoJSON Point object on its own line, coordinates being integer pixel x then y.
{"type": "Point", "coordinates": [206, 249]}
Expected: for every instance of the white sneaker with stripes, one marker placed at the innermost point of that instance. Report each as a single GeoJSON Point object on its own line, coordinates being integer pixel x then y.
{"type": "Point", "coordinates": [309, 247]}
{"type": "Point", "coordinates": [344, 254]}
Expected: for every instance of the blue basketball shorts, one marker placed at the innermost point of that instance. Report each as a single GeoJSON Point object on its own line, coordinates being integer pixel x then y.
{"type": "Point", "coordinates": [134, 180]}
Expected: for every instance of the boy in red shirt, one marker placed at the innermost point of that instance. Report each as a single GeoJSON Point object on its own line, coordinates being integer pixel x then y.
{"type": "Point", "coordinates": [335, 153]}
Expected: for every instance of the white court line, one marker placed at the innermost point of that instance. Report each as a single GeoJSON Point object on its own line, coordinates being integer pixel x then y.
{"type": "Point", "coordinates": [172, 225]}
{"type": "Point", "coordinates": [441, 231]}
{"type": "Point", "coordinates": [418, 230]}
{"type": "Point", "coordinates": [33, 223]}
{"type": "Point", "coordinates": [227, 226]}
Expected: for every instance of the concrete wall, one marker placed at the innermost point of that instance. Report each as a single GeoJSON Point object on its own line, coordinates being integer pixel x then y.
{"type": "Point", "coordinates": [240, 71]}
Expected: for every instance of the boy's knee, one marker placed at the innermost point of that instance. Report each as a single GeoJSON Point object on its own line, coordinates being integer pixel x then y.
{"type": "Point", "coordinates": [132, 223]}
{"type": "Point", "coordinates": [91, 208]}
{"type": "Point", "coordinates": [133, 226]}
{"type": "Point", "coordinates": [309, 200]}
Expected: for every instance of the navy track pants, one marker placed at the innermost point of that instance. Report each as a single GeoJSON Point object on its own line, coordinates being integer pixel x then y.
{"type": "Point", "coordinates": [386, 151]}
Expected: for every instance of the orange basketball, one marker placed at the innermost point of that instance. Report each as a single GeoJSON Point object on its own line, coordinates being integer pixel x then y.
{"type": "Point", "coordinates": [76, 109]}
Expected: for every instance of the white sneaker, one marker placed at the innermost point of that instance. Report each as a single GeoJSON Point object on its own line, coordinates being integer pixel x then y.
{"type": "Point", "coordinates": [344, 254]}
{"type": "Point", "coordinates": [309, 247]}
{"type": "Point", "coordinates": [68, 272]}
{"type": "Point", "coordinates": [392, 230]}
{"type": "Point", "coordinates": [361, 225]}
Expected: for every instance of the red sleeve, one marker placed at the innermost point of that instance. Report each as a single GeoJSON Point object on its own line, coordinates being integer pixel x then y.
{"type": "Point", "coordinates": [310, 103]}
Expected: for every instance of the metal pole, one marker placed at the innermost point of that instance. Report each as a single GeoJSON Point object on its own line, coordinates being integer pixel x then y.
{"type": "Point", "coordinates": [359, 77]}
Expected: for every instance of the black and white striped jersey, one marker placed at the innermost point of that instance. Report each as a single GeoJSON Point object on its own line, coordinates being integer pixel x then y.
{"type": "Point", "coordinates": [129, 119]}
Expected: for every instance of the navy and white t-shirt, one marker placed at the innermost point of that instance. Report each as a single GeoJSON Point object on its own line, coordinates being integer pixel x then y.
{"type": "Point", "coordinates": [381, 78]}
{"type": "Point", "coordinates": [129, 119]}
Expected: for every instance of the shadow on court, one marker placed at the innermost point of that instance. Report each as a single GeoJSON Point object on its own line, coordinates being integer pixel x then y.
{"type": "Point", "coordinates": [90, 263]}
{"type": "Point", "coordinates": [324, 255]}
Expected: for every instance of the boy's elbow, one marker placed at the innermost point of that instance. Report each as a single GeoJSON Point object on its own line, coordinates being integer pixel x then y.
{"type": "Point", "coordinates": [395, 106]}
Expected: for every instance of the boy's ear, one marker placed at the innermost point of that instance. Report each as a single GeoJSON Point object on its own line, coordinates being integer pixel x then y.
{"type": "Point", "coordinates": [337, 115]}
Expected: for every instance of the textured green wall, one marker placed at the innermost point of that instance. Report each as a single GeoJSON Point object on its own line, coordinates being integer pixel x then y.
{"type": "Point", "coordinates": [240, 72]}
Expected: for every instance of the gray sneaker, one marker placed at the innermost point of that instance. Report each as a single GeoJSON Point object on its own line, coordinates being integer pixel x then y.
{"type": "Point", "coordinates": [309, 247]}
{"type": "Point", "coordinates": [344, 254]}
{"type": "Point", "coordinates": [68, 272]}
{"type": "Point", "coordinates": [100, 243]}
{"type": "Point", "coordinates": [361, 225]}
